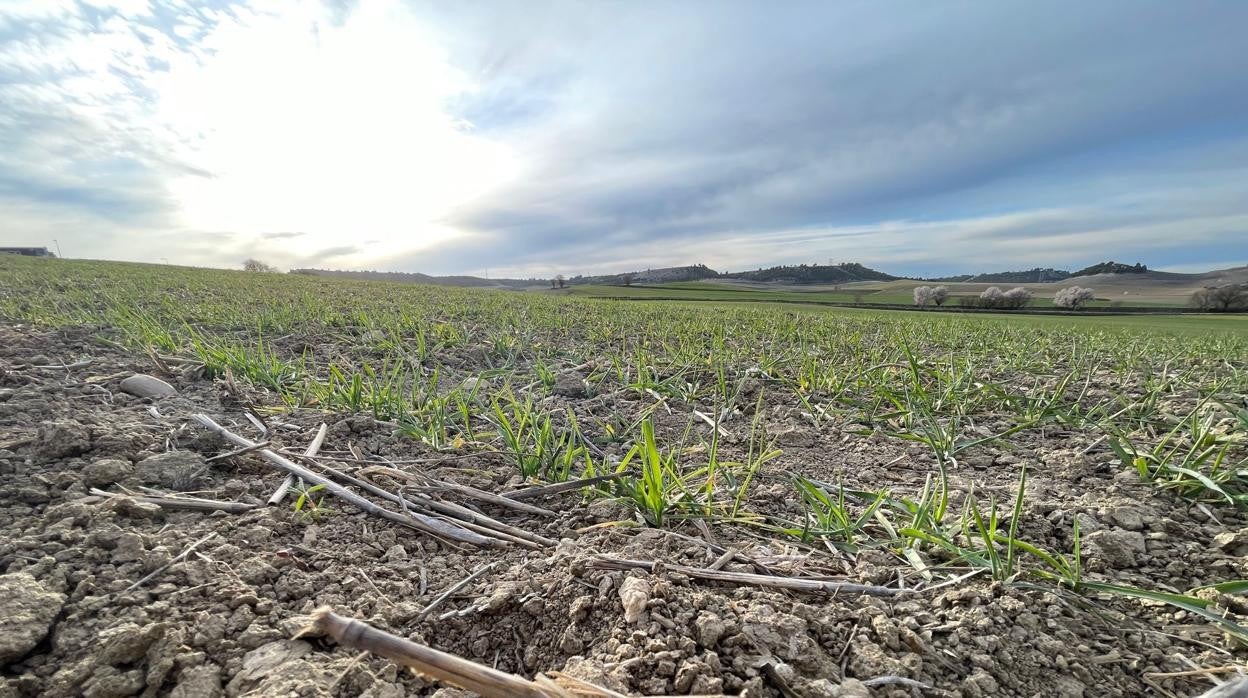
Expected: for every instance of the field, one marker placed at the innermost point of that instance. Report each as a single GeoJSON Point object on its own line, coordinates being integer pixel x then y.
{"type": "Point", "coordinates": [789, 500]}
{"type": "Point", "coordinates": [1111, 293]}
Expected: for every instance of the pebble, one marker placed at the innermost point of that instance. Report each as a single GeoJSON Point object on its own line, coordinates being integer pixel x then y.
{"type": "Point", "coordinates": [143, 385]}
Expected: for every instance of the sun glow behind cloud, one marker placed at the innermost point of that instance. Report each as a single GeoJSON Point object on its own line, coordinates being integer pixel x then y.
{"type": "Point", "coordinates": [335, 131]}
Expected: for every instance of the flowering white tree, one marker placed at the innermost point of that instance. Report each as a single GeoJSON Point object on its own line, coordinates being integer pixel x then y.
{"type": "Point", "coordinates": [930, 295]}
{"type": "Point", "coordinates": [1016, 297]}
{"type": "Point", "coordinates": [992, 297]}
{"type": "Point", "coordinates": [1073, 297]}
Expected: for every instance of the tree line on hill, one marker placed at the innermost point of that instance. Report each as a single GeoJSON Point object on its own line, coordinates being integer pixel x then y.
{"type": "Point", "coordinates": [1043, 275]}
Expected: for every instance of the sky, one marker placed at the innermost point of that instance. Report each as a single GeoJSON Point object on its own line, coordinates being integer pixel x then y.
{"type": "Point", "coordinates": [536, 138]}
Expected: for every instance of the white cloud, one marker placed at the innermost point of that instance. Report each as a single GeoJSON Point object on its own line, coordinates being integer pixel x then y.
{"type": "Point", "coordinates": [276, 118]}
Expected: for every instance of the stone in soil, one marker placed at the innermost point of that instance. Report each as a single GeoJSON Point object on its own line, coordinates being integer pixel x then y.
{"type": "Point", "coordinates": [105, 472]}
{"type": "Point", "coordinates": [143, 385]}
{"type": "Point", "coordinates": [570, 385]}
{"type": "Point", "coordinates": [64, 438]}
{"type": "Point", "coordinates": [1116, 548]}
{"type": "Point", "coordinates": [27, 613]}
{"type": "Point", "coordinates": [177, 470]}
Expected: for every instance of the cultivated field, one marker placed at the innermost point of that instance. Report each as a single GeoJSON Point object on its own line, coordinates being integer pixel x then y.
{"type": "Point", "coordinates": [789, 501]}
{"type": "Point", "coordinates": [1159, 290]}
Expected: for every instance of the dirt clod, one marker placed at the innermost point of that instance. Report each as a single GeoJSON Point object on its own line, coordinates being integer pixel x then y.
{"type": "Point", "coordinates": [27, 612]}
{"type": "Point", "coordinates": [175, 470]}
{"type": "Point", "coordinates": [106, 471]}
{"type": "Point", "coordinates": [634, 594]}
{"type": "Point", "coordinates": [63, 438]}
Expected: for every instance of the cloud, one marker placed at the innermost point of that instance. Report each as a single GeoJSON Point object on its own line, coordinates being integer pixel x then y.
{"type": "Point", "coordinates": [573, 137]}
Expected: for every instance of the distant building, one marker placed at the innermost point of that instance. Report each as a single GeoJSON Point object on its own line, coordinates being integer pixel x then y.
{"type": "Point", "coordinates": [27, 251]}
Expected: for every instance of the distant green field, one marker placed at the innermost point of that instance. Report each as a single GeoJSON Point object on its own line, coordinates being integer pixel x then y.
{"type": "Point", "coordinates": [713, 292]}
{"type": "Point", "coordinates": [699, 290]}
{"type": "Point", "coordinates": [836, 302]}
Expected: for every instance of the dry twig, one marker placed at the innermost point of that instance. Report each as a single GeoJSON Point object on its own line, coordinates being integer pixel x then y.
{"type": "Point", "coordinates": [604, 562]}
{"type": "Point", "coordinates": [183, 503]}
{"type": "Point", "coordinates": [448, 668]}
{"type": "Point", "coordinates": [414, 520]}
{"type": "Point", "coordinates": [280, 493]}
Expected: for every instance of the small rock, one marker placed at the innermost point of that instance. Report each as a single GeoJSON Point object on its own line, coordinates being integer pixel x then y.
{"type": "Point", "coordinates": [634, 594]}
{"type": "Point", "coordinates": [1232, 542]}
{"type": "Point", "coordinates": [176, 470]}
{"type": "Point", "coordinates": [705, 685]}
{"type": "Point", "coordinates": [786, 637]}
{"type": "Point", "coordinates": [570, 385]}
{"type": "Point", "coordinates": [796, 437]}
{"type": "Point", "coordinates": [61, 439]}
{"type": "Point", "coordinates": [1129, 518]}
{"type": "Point", "coordinates": [143, 385]}
{"type": "Point", "coordinates": [980, 683]}
{"type": "Point", "coordinates": [534, 607]}
{"type": "Point", "coordinates": [266, 659]}
{"type": "Point", "coordinates": [570, 644]}
{"type": "Point", "coordinates": [593, 672]}
{"type": "Point", "coordinates": [853, 688]}
{"type": "Point", "coordinates": [36, 494]}
{"type": "Point", "coordinates": [1116, 547]}
{"type": "Point", "coordinates": [823, 688]}
{"type": "Point", "coordinates": [255, 571]}
{"type": "Point", "coordinates": [108, 682]}
{"type": "Point", "coordinates": [580, 608]}
{"type": "Point", "coordinates": [395, 553]}
{"type": "Point", "coordinates": [129, 547]}
{"type": "Point", "coordinates": [127, 643]}
{"type": "Point", "coordinates": [27, 612]}
{"type": "Point", "coordinates": [103, 473]}
{"type": "Point", "coordinates": [708, 628]}
{"type": "Point", "coordinates": [133, 508]}
{"type": "Point", "coordinates": [202, 681]}
{"type": "Point", "coordinates": [1068, 687]}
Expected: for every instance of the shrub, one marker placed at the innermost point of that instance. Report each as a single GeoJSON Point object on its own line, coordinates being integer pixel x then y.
{"type": "Point", "coordinates": [257, 265]}
{"type": "Point", "coordinates": [992, 297]}
{"type": "Point", "coordinates": [930, 295]}
{"type": "Point", "coordinates": [1227, 298]}
{"type": "Point", "coordinates": [1015, 298]}
{"type": "Point", "coordinates": [1073, 297]}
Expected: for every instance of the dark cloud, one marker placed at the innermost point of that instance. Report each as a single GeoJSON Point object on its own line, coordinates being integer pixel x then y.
{"type": "Point", "coordinates": [654, 123]}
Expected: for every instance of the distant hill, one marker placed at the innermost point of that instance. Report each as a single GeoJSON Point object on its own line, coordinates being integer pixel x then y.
{"type": "Point", "coordinates": [796, 274]}
{"type": "Point", "coordinates": [1130, 277]}
{"type": "Point", "coordinates": [1045, 275]}
{"type": "Point", "coordinates": [1031, 276]}
{"type": "Point", "coordinates": [1111, 268]}
{"type": "Point", "coordinates": [695, 272]}
{"type": "Point", "coordinates": [418, 278]}
{"type": "Point", "coordinates": [813, 274]}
